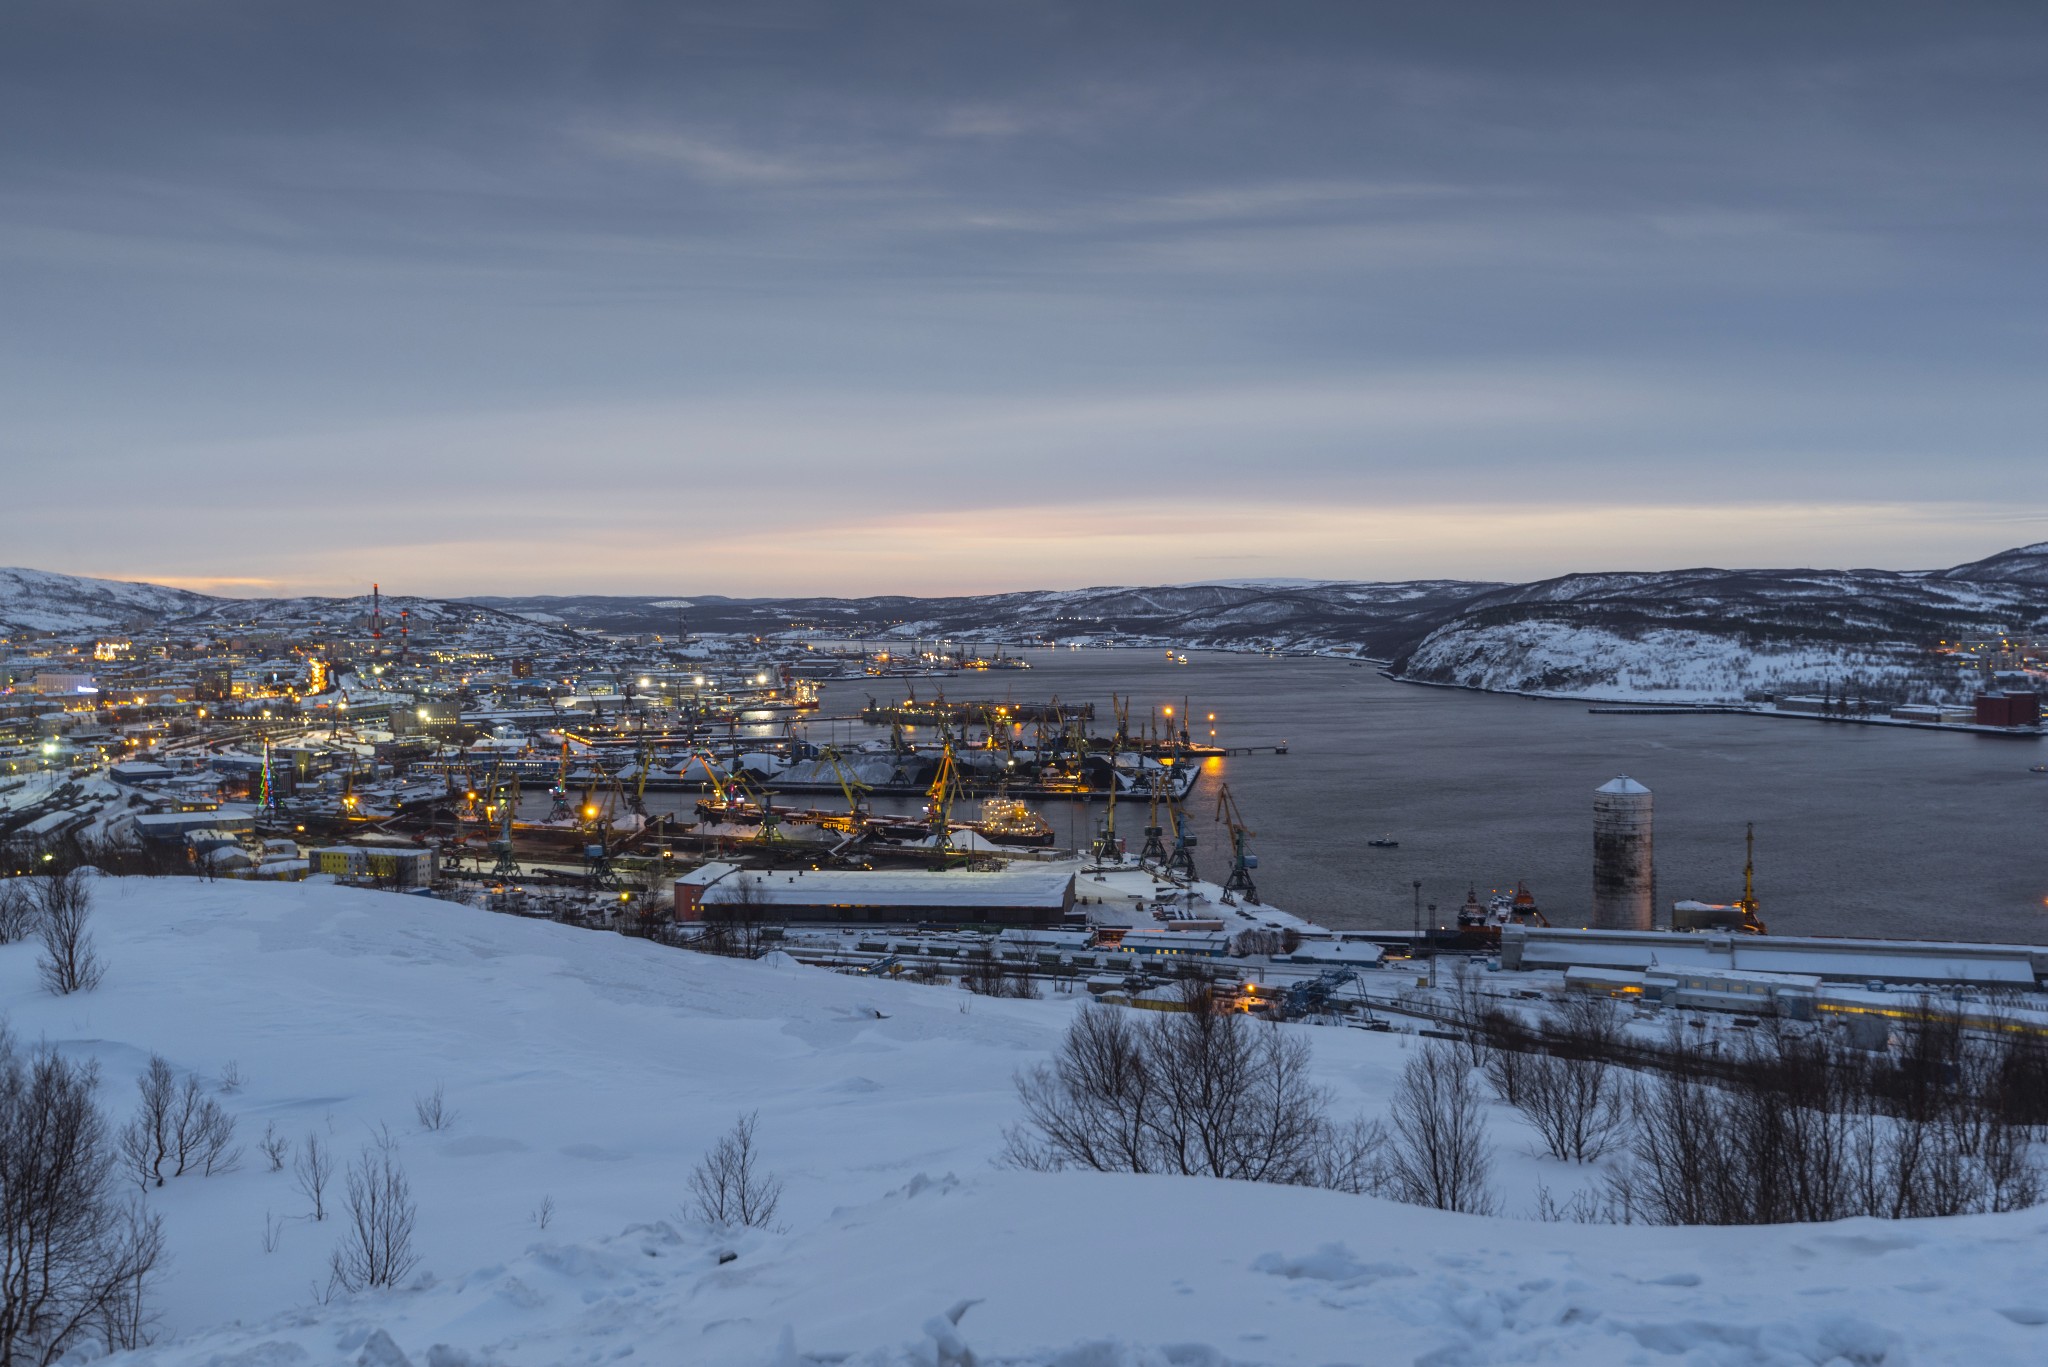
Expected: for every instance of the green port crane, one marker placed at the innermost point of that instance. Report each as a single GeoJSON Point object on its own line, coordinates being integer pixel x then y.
{"type": "Point", "coordinates": [507, 866]}
{"type": "Point", "coordinates": [1242, 860]}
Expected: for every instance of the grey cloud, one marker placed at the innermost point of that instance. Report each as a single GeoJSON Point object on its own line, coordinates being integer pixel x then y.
{"type": "Point", "coordinates": [1080, 241]}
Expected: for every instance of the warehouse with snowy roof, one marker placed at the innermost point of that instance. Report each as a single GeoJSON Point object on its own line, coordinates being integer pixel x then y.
{"type": "Point", "coordinates": [1013, 896]}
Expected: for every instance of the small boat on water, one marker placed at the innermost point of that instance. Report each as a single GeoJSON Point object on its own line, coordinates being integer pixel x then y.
{"type": "Point", "coordinates": [1385, 842]}
{"type": "Point", "coordinates": [2039, 769]}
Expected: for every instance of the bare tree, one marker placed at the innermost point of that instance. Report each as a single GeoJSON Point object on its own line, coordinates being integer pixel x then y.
{"type": "Point", "coordinates": [735, 923]}
{"type": "Point", "coordinates": [1578, 1105]}
{"type": "Point", "coordinates": [74, 1262]}
{"type": "Point", "coordinates": [1440, 1156]}
{"type": "Point", "coordinates": [17, 911]}
{"type": "Point", "coordinates": [311, 1170]}
{"type": "Point", "coordinates": [1200, 1091]}
{"type": "Point", "coordinates": [1469, 1007]}
{"type": "Point", "coordinates": [1091, 1106]}
{"type": "Point", "coordinates": [376, 1240]}
{"type": "Point", "coordinates": [432, 1110]}
{"type": "Point", "coordinates": [175, 1125]}
{"type": "Point", "coordinates": [145, 1140]}
{"type": "Point", "coordinates": [726, 1188]}
{"type": "Point", "coordinates": [69, 962]}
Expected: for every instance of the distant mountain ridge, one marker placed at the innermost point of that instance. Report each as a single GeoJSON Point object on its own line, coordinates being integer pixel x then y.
{"type": "Point", "coordinates": [1681, 635]}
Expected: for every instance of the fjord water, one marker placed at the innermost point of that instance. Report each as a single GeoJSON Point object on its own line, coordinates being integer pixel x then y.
{"type": "Point", "coordinates": [1860, 830]}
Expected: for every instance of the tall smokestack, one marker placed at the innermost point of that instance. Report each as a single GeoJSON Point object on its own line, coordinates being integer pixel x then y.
{"type": "Point", "coordinates": [1624, 872]}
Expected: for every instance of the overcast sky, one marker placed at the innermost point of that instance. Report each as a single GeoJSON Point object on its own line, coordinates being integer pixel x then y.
{"type": "Point", "coordinates": [930, 297]}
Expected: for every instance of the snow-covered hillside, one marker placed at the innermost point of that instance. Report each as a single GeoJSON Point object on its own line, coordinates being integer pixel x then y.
{"type": "Point", "coordinates": [1656, 665]}
{"type": "Point", "coordinates": [1718, 635]}
{"type": "Point", "coordinates": [587, 1072]}
{"type": "Point", "coordinates": [36, 600]}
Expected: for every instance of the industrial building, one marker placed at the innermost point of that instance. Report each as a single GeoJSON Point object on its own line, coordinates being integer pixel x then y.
{"type": "Point", "coordinates": [398, 868]}
{"type": "Point", "coordinates": [2008, 708]}
{"type": "Point", "coordinates": [1918, 962]}
{"type": "Point", "coordinates": [1019, 895]}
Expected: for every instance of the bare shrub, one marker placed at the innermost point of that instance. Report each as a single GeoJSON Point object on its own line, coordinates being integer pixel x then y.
{"type": "Point", "coordinates": [727, 1189]}
{"type": "Point", "coordinates": [273, 1231]}
{"type": "Point", "coordinates": [231, 1078]}
{"type": "Point", "coordinates": [736, 923]}
{"type": "Point", "coordinates": [1199, 1091]}
{"type": "Point", "coordinates": [432, 1110]}
{"type": "Point", "coordinates": [17, 911]}
{"type": "Point", "coordinates": [69, 962]}
{"type": "Point", "coordinates": [74, 1262]}
{"type": "Point", "coordinates": [376, 1241]}
{"type": "Point", "coordinates": [276, 1148]}
{"type": "Point", "coordinates": [1352, 1157]}
{"type": "Point", "coordinates": [1469, 1007]}
{"type": "Point", "coordinates": [1439, 1152]}
{"type": "Point", "coordinates": [311, 1169]}
{"type": "Point", "coordinates": [1800, 1128]}
{"type": "Point", "coordinates": [544, 1213]}
{"type": "Point", "coordinates": [1578, 1105]}
{"type": "Point", "coordinates": [176, 1125]}
{"type": "Point", "coordinates": [203, 1133]}
{"type": "Point", "coordinates": [1508, 1045]}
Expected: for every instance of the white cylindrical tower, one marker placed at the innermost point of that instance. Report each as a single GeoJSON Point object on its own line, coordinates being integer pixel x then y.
{"type": "Point", "coordinates": [1624, 873]}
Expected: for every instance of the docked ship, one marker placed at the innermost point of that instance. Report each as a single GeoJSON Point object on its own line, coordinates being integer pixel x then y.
{"type": "Point", "coordinates": [1481, 923]}
{"type": "Point", "coordinates": [1006, 821]}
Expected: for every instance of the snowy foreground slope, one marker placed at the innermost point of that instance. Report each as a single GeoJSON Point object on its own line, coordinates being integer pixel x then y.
{"type": "Point", "coordinates": [593, 1070]}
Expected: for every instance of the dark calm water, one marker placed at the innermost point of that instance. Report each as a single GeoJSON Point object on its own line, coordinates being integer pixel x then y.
{"type": "Point", "coordinates": [1860, 830]}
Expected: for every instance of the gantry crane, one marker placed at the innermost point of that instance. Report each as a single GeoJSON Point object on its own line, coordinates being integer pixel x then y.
{"type": "Point", "coordinates": [1242, 860]}
{"type": "Point", "coordinates": [1154, 851]}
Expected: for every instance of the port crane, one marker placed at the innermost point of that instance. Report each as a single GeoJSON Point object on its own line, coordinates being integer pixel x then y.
{"type": "Point", "coordinates": [1242, 860]}
{"type": "Point", "coordinates": [507, 866]}
{"type": "Point", "coordinates": [939, 802]}
{"type": "Point", "coordinates": [1751, 922]}
{"type": "Point", "coordinates": [1313, 994]}
{"type": "Point", "coordinates": [853, 788]}
{"type": "Point", "coordinates": [1105, 843]}
{"type": "Point", "coordinates": [1154, 851]}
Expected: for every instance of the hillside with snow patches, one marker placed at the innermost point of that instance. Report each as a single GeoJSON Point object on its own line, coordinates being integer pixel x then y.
{"type": "Point", "coordinates": [587, 1072]}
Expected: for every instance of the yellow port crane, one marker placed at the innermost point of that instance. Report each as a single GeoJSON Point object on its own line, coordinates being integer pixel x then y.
{"type": "Point", "coordinates": [939, 800]}
{"type": "Point", "coordinates": [853, 788]}
{"type": "Point", "coordinates": [1751, 922]}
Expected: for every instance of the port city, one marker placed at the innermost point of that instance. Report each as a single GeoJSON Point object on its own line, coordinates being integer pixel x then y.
{"type": "Point", "coordinates": [1114, 818]}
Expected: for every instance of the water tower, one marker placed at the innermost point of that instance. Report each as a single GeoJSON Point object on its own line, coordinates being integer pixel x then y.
{"type": "Point", "coordinates": [1624, 873]}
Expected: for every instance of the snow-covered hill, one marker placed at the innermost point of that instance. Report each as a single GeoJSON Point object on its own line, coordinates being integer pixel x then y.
{"type": "Point", "coordinates": [2021, 565]}
{"type": "Point", "coordinates": [36, 600]}
{"type": "Point", "coordinates": [587, 1072]}
{"type": "Point", "coordinates": [1699, 634]}
{"type": "Point", "coordinates": [1720, 635]}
